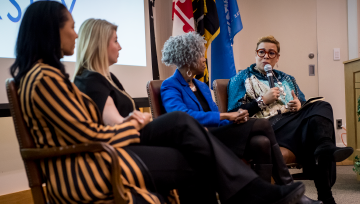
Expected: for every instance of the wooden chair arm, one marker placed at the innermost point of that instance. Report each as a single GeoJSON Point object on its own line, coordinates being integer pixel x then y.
{"type": "Point", "coordinates": [43, 153]}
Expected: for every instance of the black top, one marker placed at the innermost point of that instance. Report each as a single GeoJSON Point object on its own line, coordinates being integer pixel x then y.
{"type": "Point", "coordinates": [200, 97]}
{"type": "Point", "coordinates": [98, 88]}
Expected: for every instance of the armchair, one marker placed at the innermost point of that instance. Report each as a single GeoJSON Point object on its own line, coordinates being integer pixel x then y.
{"type": "Point", "coordinates": [32, 155]}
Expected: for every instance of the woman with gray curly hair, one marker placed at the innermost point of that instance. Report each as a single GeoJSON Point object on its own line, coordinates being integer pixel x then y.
{"type": "Point", "coordinates": [171, 152]}
{"type": "Point", "coordinates": [252, 139]}
{"type": "Point", "coordinates": [183, 50]}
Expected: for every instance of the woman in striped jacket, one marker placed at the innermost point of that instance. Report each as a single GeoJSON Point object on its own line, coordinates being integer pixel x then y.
{"type": "Point", "coordinates": [58, 114]}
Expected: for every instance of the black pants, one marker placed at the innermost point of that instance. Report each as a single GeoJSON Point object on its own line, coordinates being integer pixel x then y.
{"type": "Point", "coordinates": [215, 167]}
{"type": "Point", "coordinates": [251, 140]}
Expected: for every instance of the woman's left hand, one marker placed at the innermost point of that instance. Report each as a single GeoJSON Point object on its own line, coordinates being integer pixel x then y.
{"type": "Point", "coordinates": [243, 116]}
{"type": "Point", "coordinates": [295, 104]}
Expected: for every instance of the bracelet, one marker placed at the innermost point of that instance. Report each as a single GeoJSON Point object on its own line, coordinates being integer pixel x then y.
{"type": "Point", "coordinates": [261, 103]}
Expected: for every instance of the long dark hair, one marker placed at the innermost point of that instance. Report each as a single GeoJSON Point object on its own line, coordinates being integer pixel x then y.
{"type": "Point", "coordinates": [39, 37]}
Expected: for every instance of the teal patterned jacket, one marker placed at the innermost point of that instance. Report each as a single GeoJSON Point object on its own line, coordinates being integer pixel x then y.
{"type": "Point", "coordinates": [249, 84]}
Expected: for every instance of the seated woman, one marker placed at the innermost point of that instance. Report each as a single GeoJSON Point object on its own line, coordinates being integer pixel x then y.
{"type": "Point", "coordinates": [98, 48]}
{"type": "Point", "coordinates": [307, 131]}
{"type": "Point", "coordinates": [252, 139]}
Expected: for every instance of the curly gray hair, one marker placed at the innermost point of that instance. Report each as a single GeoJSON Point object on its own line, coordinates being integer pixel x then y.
{"type": "Point", "coordinates": [184, 49]}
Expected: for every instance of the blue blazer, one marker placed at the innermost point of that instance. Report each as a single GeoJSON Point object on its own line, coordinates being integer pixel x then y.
{"type": "Point", "coordinates": [176, 95]}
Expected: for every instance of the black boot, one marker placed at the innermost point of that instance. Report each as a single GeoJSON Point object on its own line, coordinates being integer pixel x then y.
{"type": "Point", "coordinates": [281, 172]}
{"type": "Point", "coordinates": [306, 200]}
{"type": "Point", "coordinates": [322, 181]}
{"type": "Point", "coordinates": [322, 130]}
{"type": "Point", "coordinates": [264, 171]}
{"type": "Point", "coordinates": [261, 192]}
{"type": "Point", "coordinates": [328, 151]}
{"type": "Point", "coordinates": [282, 175]}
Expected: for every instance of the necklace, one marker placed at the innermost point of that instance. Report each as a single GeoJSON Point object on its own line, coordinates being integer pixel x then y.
{"type": "Point", "coordinates": [193, 88]}
{"type": "Point", "coordinates": [281, 88]}
{"type": "Point", "coordinates": [192, 85]}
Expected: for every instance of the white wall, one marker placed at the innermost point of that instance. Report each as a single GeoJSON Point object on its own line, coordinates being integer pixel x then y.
{"type": "Point", "coordinates": [293, 24]}
{"type": "Point", "coordinates": [352, 9]}
{"type": "Point", "coordinates": [332, 33]}
{"type": "Point", "coordinates": [163, 30]}
{"type": "Point", "coordinates": [12, 171]}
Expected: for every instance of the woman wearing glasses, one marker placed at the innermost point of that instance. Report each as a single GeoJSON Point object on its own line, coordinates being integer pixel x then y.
{"type": "Point", "coordinates": [252, 139]}
{"type": "Point", "coordinates": [307, 130]}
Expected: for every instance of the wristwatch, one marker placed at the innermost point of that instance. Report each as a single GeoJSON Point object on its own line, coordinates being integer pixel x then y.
{"type": "Point", "coordinates": [260, 102]}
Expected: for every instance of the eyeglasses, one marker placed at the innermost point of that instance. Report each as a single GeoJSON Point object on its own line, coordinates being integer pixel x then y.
{"type": "Point", "coordinates": [262, 53]}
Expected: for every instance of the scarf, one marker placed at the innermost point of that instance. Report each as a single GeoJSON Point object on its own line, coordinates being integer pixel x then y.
{"type": "Point", "coordinates": [249, 84]}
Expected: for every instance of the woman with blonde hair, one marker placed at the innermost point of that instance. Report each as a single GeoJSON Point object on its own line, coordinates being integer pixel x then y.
{"type": "Point", "coordinates": [170, 136]}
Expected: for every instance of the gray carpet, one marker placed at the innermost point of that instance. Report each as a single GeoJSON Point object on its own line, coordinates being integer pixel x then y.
{"type": "Point", "coordinates": [346, 189]}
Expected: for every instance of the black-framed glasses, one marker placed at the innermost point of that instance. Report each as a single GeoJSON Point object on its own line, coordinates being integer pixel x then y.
{"type": "Point", "coordinates": [263, 52]}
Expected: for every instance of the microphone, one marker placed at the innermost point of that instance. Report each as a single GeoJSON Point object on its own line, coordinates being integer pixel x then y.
{"type": "Point", "coordinates": [268, 70]}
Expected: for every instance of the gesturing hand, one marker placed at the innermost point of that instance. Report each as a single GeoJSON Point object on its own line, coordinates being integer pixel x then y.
{"type": "Point", "coordinates": [271, 96]}
{"type": "Point", "coordinates": [294, 105]}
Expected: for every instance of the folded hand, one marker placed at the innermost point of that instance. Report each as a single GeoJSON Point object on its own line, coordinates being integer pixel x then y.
{"type": "Point", "coordinates": [242, 117]}
{"type": "Point", "coordinates": [142, 118]}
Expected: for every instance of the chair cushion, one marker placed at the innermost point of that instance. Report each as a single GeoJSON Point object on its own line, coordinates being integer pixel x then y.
{"type": "Point", "coordinates": [289, 157]}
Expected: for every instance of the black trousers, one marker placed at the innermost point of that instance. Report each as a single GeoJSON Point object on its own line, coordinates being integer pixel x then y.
{"type": "Point", "coordinates": [234, 136]}
{"type": "Point", "coordinates": [211, 167]}
{"type": "Point", "coordinates": [164, 169]}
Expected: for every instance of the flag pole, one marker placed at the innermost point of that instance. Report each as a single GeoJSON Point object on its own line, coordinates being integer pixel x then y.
{"type": "Point", "coordinates": [154, 61]}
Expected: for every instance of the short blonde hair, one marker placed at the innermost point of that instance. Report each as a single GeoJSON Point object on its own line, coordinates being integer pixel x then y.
{"type": "Point", "coordinates": [92, 44]}
{"type": "Point", "coordinates": [269, 39]}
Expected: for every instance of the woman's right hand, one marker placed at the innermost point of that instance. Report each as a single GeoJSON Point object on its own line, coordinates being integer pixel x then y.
{"type": "Point", "coordinates": [147, 119]}
{"type": "Point", "coordinates": [229, 116]}
{"type": "Point", "coordinates": [271, 96]}
{"type": "Point", "coordinates": [243, 116]}
{"type": "Point", "coordinates": [140, 118]}
{"type": "Point", "coordinates": [137, 115]}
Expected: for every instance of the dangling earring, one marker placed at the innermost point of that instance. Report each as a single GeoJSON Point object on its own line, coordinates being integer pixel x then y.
{"type": "Point", "coordinates": [277, 65]}
{"type": "Point", "coordinates": [189, 73]}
